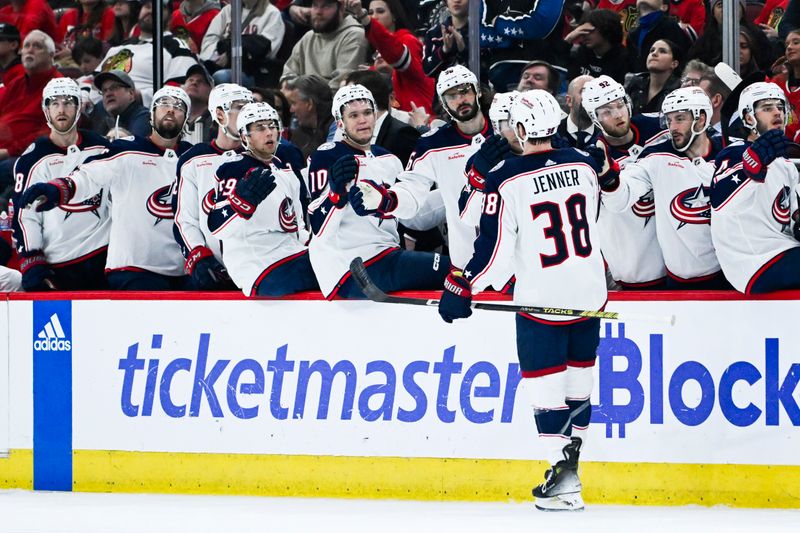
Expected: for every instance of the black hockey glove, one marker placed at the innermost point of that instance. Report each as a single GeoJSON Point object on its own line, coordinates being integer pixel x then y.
{"type": "Point", "coordinates": [251, 190]}
{"type": "Point", "coordinates": [37, 276]}
{"type": "Point", "coordinates": [608, 176]}
{"type": "Point", "coordinates": [47, 196]}
{"type": "Point", "coordinates": [491, 152]}
{"type": "Point", "coordinates": [768, 147]}
{"type": "Point", "coordinates": [342, 172]}
{"type": "Point", "coordinates": [207, 273]}
{"type": "Point", "coordinates": [456, 297]}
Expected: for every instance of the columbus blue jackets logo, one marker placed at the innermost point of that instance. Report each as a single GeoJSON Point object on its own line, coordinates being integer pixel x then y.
{"type": "Point", "coordinates": [90, 205]}
{"type": "Point", "coordinates": [691, 207]}
{"type": "Point", "coordinates": [780, 207]}
{"type": "Point", "coordinates": [287, 216]}
{"type": "Point", "coordinates": [208, 202]}
{"type": "Point", "coordinates": [645, 207]}
{"type": "Point", "coordinates": [159, 204]}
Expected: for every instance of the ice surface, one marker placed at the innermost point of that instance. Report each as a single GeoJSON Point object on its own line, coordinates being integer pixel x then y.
{"type": "Point", "coordinates": [51, 512]}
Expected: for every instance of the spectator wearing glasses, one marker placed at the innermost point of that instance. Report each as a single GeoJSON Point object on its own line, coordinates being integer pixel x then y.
{"type": "Point", "coordinates": [120, 108]}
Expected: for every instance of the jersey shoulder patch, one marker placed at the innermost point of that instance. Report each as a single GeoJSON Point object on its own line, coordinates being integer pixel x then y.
{"type": "Point", "coordinates": [326, 146]}
{"type": "Point", "coordinates": [31, 147]}
{"type": "Point", "coordinates": [498, 166]}
{"type": "Point", "coordinates": [430, 133]}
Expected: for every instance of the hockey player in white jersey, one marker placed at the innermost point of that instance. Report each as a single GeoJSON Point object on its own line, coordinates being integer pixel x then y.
{"type": "Point", "coordinates": [628, 239]}
{"type": "Point", "coordinates": [754, 198]}
{"type": "Point", "coordinates": [678, 172]}
{"type": "Point", "coordinates": [258, 214]}
{"type": "Point", "coordinates": [539, 215]}
{"type": "Point", "coordinates": [195, 185]}
{"type": "Point", "coordinates": [496, 148]}
{"type": "Point", "coordinates": [64, 248]}
{"type": "Point", "coordinates": [438, 160]}
{"type": "Point", "coordinates": [138, 174]}
{"type": "Point", "coordinates": [340, 234]}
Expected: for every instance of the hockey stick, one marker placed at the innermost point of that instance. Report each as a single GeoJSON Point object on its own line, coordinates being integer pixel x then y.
{"type": "Point", "coordinates": [368, 287]}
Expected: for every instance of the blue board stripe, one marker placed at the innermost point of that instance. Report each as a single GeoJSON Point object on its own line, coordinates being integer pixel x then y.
{"type": "Point", "coordinates": [52, 395]}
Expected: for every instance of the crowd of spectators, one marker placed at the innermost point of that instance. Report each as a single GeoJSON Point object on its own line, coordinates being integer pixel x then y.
{"type": "Point", "coordinates": [297, 53]}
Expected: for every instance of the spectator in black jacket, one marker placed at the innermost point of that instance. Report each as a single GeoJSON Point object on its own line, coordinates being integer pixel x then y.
{"type": "Point", "coordinates": [448, 43]}
{"type": "Point", "coordinates": [654, 24]}
{"type": "Point", "coordinates": [600, 51]}
{"type": "Point", "coordinates": [648, 90]}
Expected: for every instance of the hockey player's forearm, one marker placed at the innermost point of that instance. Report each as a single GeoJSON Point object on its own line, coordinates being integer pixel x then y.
{"type": "Point", "coordinates": [223, 221]}
{"type": "Point", "coordinates": [88, 181]}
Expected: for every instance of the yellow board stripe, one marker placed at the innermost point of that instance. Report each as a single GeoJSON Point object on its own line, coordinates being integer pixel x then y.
{"type": "Point", "coordinates": [16, 470]}
{"type": "Point", "coordinates": [429, 479]}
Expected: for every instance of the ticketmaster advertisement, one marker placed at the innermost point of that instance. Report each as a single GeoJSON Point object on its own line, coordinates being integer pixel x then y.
{"type": "Point", "coordinates": [382, 380]}
{"type": "Point", "coordinates": [360, 399]}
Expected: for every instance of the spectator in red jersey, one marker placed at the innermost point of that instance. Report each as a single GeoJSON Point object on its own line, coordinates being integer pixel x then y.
{"type": "Point", "coordinates": [10, 62]}
{"type": "Point", "coordinates": [90, 19]}
{"type": "Point", "coordinates": [386, 29]}
{"type": "Point", "coordinates": [789, 81]}
{"type": "Point", "coordinates": [193, 18]}
{"type": "Point", "coordinates": [126, 17]}
{"type": "Point", "coordinates": [691, 15]}
{"type": "Point", "coordinates": [29, 15]}
{"type": "Point", "coordinates": [626, 9]}
{"type": "Point", "coordinates": [770, 16]}
{"type": "Point", "coordinates": [21, 117]}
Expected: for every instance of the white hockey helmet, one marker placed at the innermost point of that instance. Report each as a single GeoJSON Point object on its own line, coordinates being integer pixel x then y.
{"type": "Point", "coordinates": [601, 91]}
{"type": "Point", "coordinates": [756, 92]}
{"type": "Point", "coordinates": [453, 77]}
{"type": "Point", "coordinates": [169, 91]}
{"type": "Point", "coordinates": [61, 87]}
{"type": "Point", "coordinates": [351, 93]}
{"type": "Point", "coordinates": [692, 99]}
{"type": "Point", "coordinates": [538, 112]}
{"type": "Point", "coordinates": [501, 107]}
{"type": "Point", "coordinates": [252, 113]}
{"type": "Point", "coordinates": [223, 96]}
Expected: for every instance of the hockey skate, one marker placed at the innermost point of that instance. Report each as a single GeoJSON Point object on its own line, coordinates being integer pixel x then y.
{"type": "Point", "coordinates": [561, 490]}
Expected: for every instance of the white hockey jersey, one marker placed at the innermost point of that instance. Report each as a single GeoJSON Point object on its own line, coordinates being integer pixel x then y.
{"type": "Point", "coordinates": [196, 183]}
{"type": "Point", "coordinates": [539, 215]}
{"type": "Point", "coordinates": [681, 188]}
{"type": "Point", "coordinates": [628, 239]}
{"type": "Point", "coordinates": [439, 159]}
{"type": "Point", "coordinates": [339, 234]}
{"type": "Point", "coordinates": [274, 234]}
{"type": "Point", "coordinates": [135, 58]}
{"type": "Point", "coordinates": [751, 220]}
{"type": "Point", "coordinates": [70, 232]}
{"type": "Point", "coordinates": [138, 176]}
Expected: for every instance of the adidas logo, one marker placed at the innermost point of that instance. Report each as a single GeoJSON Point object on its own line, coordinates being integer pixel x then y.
{"type": "Point", "coordinates": [549, 163]}
{"type": "Point", "coordinates": [52, 337]}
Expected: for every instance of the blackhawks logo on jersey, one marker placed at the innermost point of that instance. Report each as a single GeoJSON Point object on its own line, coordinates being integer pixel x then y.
{"type": "Point", "coordinates": [780, 207]}
{"type": "Point", "coordinates": [287, 217]}
{"type": "Point", "coordinates": [692, 207]}
{"type": "Point", "coordinates": [122, 60]}
{"type": "Point", "coordinates": [159, 204]}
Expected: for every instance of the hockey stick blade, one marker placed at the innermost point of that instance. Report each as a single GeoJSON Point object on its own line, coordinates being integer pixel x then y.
{"type": "Point", "coordinates": [374, 293]}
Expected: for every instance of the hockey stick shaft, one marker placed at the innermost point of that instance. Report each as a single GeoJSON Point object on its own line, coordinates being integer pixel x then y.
{"type": "Point", "coordinates": [374, 293]}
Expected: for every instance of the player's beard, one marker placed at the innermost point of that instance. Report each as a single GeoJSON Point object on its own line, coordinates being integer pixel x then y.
{"type": "Point", "coordinates": [466, 116]}
{"type": "Point", "coordinates": [686, 139]}
{"type": "Point", "coordinates": [169, 132]}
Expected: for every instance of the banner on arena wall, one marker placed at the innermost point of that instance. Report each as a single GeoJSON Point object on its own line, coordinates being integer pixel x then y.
{"type": "Point", "coordinates": [362, 379]}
